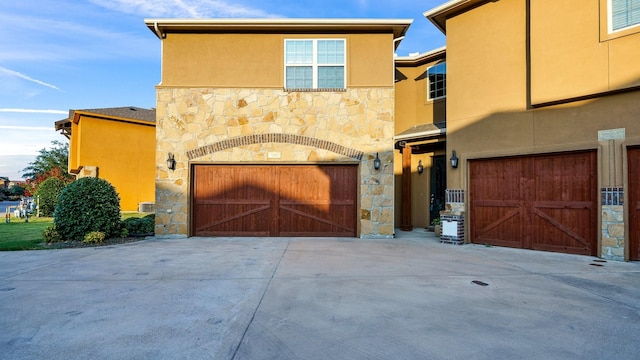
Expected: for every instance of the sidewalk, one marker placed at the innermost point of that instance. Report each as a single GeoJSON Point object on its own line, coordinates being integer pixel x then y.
{"type": "Point", "coordinates": [315, 298]}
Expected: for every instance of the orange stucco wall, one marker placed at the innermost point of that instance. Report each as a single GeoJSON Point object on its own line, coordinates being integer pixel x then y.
{"type": "Point", "coordinates": [123, 152]}
{"type": "Point", "coordinates": [257, 60]}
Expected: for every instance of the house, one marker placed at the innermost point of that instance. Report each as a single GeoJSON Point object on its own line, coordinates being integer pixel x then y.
{"type": "Point", "coordinates": [115, 144]}
{"type": "Point", "coordinates": [542, 112]}
{"type": "Point", "coordinates": [276, 127]}
{"type": "Point", "coordinates": [420, 138]}
{"type": "Point", "coordinates": [4, 182]}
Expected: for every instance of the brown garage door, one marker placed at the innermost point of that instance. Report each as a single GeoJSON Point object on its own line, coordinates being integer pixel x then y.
{"type": "Point", "coordinates": [270, 200]}
{"type": "Point", "coordinates": [633, 157]}
{"type": "Point", "coordinates": [544, 202]}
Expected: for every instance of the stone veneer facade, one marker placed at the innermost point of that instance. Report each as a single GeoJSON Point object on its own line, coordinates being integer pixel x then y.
{"type": "Point", "coordinates": [239, 125]}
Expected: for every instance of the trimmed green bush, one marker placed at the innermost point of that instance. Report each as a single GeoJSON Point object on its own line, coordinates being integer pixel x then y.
{"type": "Point", "coordinates": [86, 205]}
{"type": "Point", "coordinates": [140, 226]}
{"type": "Point", "coordinates": [51, 235]}
{"type": "Point", "coordinates": [94, 237]}
{"type": "Point", "coordinates": [48, 191]}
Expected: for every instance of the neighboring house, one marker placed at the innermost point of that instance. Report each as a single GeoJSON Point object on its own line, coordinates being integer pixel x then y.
{"type": "Point", "coordinates": [4, 182]}
{"type": "Point", "coordinates": [115, 144]}
{"type": "Point", "coordinates": [543, 106]}
{"type": "Point", "coordinates": [276, 127]}
{"type": "Point", "coordinates": [420, 134]}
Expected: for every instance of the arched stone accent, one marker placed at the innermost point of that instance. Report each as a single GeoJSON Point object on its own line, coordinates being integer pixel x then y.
{"type": "Point", "coordinates": [274, 138]}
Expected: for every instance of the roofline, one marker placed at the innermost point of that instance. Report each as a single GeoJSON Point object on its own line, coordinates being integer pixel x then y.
{"type": "Point", "coordinates": [160, 26]}
{"type": "Point", "coordinates": [78, 113]}
{"type": "Point", "coordinates": [422, 58]}
{"type": "Point", "coordinates": [439, 15]}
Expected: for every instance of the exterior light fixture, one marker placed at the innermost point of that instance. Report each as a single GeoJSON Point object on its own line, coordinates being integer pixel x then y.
{"type": "Point", "coordinates": [171, 162]}
{"type": "Point", "coordinates": [420, 167]}
{"type": "Point", "coordinates": [454, 160]}
{"type": "Point", "coordinates": [376, 162]}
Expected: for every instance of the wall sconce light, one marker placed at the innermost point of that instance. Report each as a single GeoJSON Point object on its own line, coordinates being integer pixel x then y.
{"type": "Point", "coordinates": [420, 167]}
{"type": "Point", "coordinates": [171, 162]}
{"type": "Point", "coordinates": [376, 162]}
{"type": "Point", "coordinates": [454, 160]}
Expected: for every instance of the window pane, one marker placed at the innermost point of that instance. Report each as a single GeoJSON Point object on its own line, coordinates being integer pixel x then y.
{"type": "Point", "coordinates": [437, 76]}
{"type": "Point", "coordinates": [299, 77]}
{"type": "Point", "coordinates": [331, 52]}
{"type": "Point", "coordinates": [299, 51]}
{"type": "Point", "coordinates": [330, 77]}
{"type": "Point", "coordinates": [624, 13]}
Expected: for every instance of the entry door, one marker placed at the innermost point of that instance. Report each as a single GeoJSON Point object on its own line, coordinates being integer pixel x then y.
{"type": "Point", "coordinates": [544, 202]}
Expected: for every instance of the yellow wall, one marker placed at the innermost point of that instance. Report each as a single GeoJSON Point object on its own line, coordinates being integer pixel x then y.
{"type": "Point", "coordinates": [488, 113]}
{"type": "Point", "coordinates": [124, 154]}
{"type": "Point", "coordinates": [257, 60]}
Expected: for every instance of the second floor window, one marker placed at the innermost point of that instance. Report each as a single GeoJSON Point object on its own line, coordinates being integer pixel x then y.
{"type": "Point", "coordinates": [624, 13]}
{"type": "Point", "coordinates": [315, 64]}
{"type": "Point", "coordinates": [437, 76]}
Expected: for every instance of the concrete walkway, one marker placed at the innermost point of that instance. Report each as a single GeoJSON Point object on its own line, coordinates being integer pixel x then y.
{"type": "Point", "coordinates": [315, 298]}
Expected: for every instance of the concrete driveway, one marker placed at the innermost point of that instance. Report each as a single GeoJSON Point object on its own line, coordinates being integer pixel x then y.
{"type": "Point", "coordinates": [315, 298]}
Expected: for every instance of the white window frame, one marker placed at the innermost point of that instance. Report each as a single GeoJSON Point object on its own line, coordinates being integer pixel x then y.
{"type": "Point", "coordinates": [429, 82]}
{"type": "Point", "coordinates": [610, 19]}
{"type": "Point", "coordinates": [314, 64]}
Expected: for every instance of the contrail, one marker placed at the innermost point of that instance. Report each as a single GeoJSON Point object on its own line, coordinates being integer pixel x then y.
{"type": "Point", "coordinates": [34, 111]}
{"type": "Point", "coordinates": [23, 76]}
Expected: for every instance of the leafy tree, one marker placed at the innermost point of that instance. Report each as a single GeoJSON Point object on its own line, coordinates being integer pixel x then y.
{"type": "Point", "coordinates": [48, 193]}
{"type": "Point", "coordinates": [52, 162]}
{"type": "Point", "coordinates": [16, 190]}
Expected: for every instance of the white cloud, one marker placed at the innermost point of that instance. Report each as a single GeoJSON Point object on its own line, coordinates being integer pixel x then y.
{"type": "Point", "coordinates": [34, 111]}
{"type": "Point", "coordinates": [28, 78]}
{"type": "Point", "coordinates": [28, 128]}
{"type": "Point", "coordinates": [183, 8]}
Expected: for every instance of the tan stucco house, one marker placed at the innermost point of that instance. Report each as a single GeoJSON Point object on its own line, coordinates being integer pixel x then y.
{"type": "Point", "coordinates": [276, 127]}
{"type": "Point", "coordinates": [543, 112]}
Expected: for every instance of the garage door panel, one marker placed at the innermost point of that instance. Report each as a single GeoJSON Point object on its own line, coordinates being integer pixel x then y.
{"type": "Point", "coordinates": [555, 196]}
{"type": "Point", "coordinates": [633, 159]}
{"type": "Point", "coordinates": [274, 200]}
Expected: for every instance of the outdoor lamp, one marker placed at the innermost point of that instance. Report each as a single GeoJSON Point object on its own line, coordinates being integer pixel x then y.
{"type": "Point", "coordinates": [171, 162]}
{"type": "Point", "coordinates": [376, 162]}
{"type": "Point", "coordinates": [420, 167]}
{"type": "Point", "coordinates": [454, 160]}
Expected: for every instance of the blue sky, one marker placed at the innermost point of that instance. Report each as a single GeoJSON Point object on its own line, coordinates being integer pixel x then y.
{"type": "Point", "coordinates": [57, 55]}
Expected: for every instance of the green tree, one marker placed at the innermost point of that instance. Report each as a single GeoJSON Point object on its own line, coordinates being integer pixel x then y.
{"type": "Point", "coordinates": [51, 162]}
{"type": "Point", "coordinates": [16, 190]}
{"type": "Point", "coordinates": [47, 194]}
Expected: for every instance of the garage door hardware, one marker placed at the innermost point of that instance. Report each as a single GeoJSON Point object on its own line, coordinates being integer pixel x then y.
{"type": "Point", "coordinates": [596, 264]}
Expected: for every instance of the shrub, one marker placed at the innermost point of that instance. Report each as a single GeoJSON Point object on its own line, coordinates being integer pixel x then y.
{"type": "Point", "coordinates": [48, 191]}
{"type": "Point", "coordinates": [86, 205]}
{"type": "Point", "coordinates": [140, 226]}
{"type": "Point", "coordinates": [94, 237]}
{"type": "Point", "coordinates": [51, 234]}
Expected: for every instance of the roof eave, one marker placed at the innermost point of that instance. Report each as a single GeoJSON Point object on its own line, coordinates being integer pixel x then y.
{"type": "Point", "coordinates": [160, 26]}
{"type": "Point", "coordinates": [422, 58]}
{"type": "Point", "coordinates": [439, 15]}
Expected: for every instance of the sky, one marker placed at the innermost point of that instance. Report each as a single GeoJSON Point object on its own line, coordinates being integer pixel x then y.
{"type": "Point", "coordinates": [57, 55]}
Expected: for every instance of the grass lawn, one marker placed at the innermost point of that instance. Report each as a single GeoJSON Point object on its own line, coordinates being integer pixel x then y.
{"type": "Point", "coordinates": [20, 235]}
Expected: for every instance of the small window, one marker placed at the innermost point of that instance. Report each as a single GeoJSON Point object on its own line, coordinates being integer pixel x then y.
{"type": "Point", "coordinates": [437, 83]}
{"type": "Point", "coordinates": [315, 64]}
{"type": "Point", "coordinates": [623, 14]}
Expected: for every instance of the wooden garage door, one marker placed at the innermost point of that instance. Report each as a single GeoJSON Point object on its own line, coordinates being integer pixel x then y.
{"type": "Point", "coordinates": [270, 200]}
{"type": "Point", "coordinates": [544, 202]}
{"type": "Point", "coordinates": [633, 157]}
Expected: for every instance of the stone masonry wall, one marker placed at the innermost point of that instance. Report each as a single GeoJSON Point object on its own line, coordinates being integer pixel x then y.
{"type": "Point", "coordinates": [613, 241]}
{"type": "Point", "coordinates": [205, 125]}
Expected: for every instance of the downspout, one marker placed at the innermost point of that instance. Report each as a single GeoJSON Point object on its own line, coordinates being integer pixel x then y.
{"type": "Point", "coordinates": [159, 34]}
